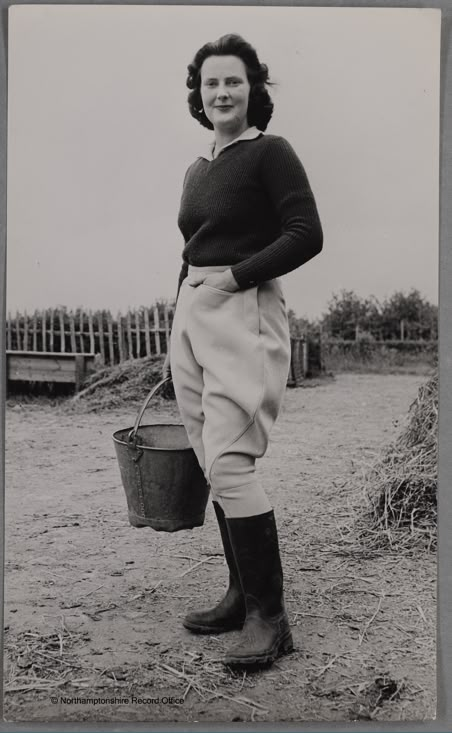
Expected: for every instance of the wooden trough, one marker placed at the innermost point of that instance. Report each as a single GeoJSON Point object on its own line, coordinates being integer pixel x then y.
{"type": "Point", "coordinates": [46, 366]}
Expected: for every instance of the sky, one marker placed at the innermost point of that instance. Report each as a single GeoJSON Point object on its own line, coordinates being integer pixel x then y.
{"type": "Point", "coordinates": [99, 139]}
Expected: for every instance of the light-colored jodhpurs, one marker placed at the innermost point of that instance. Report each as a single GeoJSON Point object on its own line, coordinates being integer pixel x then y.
{"type": "Point", "coordinates": [230, 358]}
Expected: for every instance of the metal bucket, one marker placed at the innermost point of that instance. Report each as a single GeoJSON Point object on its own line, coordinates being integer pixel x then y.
{"type": "Point", "coordinates": [164, 484]}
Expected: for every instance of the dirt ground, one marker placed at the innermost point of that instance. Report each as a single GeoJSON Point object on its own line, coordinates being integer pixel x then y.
{"type": "Point", "coordinates": [93, 607]}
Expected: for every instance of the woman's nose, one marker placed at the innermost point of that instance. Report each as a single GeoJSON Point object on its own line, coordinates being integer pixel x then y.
{"type": "Point", "coordinates": [222, 93]}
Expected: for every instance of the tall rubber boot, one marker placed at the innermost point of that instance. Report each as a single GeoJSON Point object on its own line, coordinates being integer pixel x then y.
{"type": "Point", "coordinates": [230, 612]}
{"type": "Point", "coordinates": [266, 633]}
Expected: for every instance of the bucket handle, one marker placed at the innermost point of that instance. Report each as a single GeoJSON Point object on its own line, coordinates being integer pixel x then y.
{"type": "Point", "coordinates": [133, 433]}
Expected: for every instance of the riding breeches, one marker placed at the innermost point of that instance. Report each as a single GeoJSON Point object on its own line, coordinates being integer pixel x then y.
{"type": "Point", "coordinates": [230, 359]}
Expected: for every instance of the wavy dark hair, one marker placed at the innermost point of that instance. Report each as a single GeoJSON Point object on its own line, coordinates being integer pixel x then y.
{"type": "Point", "coordinates": [260, 105]}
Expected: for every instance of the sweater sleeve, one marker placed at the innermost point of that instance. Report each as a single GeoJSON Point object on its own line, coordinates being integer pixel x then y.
{"type": "Point", "coordinates": [184, 269]}
{"type": "Point", "coordinates": [301, 238]}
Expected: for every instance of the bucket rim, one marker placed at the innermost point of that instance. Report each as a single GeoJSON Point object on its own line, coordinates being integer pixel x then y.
{"type": "Point", "coordinates": [150, 447]}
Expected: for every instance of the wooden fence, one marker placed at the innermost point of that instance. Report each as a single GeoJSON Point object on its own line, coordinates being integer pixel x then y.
{"type": "Point", "coordinates": [141, 332]}
{"type": "Point", "coordinates": [395, 330]}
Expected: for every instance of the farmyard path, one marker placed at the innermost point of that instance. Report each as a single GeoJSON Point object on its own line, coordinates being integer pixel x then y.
{"type": "Point", "coordinates": [93, 607]}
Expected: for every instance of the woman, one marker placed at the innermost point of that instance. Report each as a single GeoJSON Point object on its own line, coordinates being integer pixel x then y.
{"type": "Point", "coordinates": [247, 216]}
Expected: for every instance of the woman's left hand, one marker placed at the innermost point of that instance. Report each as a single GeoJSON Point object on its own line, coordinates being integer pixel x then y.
{"type": "Point", "coordinates": [222, 281]}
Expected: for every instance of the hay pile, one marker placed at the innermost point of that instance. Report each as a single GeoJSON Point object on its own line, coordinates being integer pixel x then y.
{"type": "Point", "coordinates": [402, 485]}
{"type": "Point", "coordinates": [121, 385]}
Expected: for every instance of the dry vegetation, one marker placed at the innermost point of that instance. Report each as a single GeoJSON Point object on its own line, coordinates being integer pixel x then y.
{"type": "Point", "coordinates": [121, 385]}
{"type": "Point", "coordinates": [46, 663]}
{"type": "Point", "coordinates": [401, 484]}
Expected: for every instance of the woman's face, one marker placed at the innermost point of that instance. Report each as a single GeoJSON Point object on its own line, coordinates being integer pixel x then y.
{"type": "Point", "coordinates": [225, 92]}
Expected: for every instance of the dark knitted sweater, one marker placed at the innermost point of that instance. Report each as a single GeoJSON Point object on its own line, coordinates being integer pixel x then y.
{"type": "Point", "coordinates": [251, 208]}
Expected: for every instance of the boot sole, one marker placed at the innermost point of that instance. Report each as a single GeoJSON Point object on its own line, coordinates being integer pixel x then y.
{"type": "Point", "coordinates": [283, 646]}
{"type": "Point", "coordinates": [199, 629]}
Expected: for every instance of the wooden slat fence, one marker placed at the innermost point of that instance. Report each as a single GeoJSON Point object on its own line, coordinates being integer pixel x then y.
{"type": "Point", "coordinates": [138, 333]}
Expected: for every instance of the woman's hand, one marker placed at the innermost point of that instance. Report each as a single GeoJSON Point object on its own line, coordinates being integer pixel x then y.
{"type": "Point", "coordinates": [222, 281]}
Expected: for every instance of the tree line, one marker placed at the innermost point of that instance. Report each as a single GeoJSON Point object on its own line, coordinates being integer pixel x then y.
{"type": "Point", "coordinates": [403, 316]}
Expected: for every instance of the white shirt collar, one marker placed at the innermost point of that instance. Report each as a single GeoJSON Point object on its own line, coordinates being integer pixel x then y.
{"type": "Point", "coordinates": [249, 134]}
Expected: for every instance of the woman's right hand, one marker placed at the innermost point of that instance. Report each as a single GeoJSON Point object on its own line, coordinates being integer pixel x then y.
{"type": "Point", "coordinates": [166, 368]}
